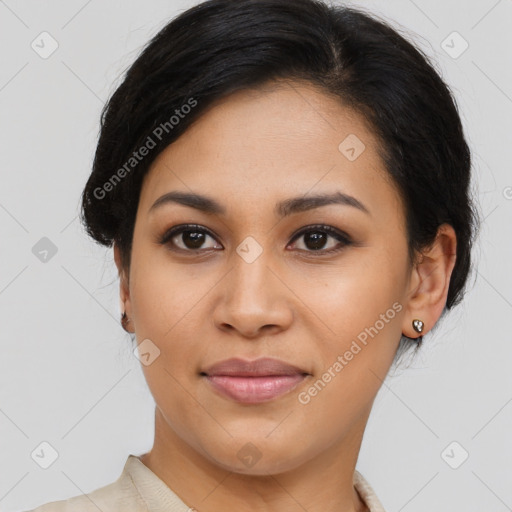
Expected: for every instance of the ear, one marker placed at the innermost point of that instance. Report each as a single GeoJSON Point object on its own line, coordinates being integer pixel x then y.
{"type": "Point", "coordinates": [124, 288]}
{"type": "Point", "coordinates": [430, 280]}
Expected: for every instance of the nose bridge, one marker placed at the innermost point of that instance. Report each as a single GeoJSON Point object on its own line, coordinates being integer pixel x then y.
{"type": "Point", "coordinates": [251, 278]}
{"type": "Point", "coordinates": [252, 296]}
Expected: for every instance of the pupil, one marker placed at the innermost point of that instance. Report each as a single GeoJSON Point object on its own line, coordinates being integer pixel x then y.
{"type": "Point", "coordinates": [193, 239]}
{"type": "Point", "coordinates": [318, 240]}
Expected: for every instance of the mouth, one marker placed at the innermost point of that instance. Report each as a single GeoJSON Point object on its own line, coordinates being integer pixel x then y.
{"type": "Point", "coordinates": [253, 382]}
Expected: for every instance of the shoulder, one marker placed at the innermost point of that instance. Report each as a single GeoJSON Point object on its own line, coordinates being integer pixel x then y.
{"type": "Point", "coordinates": [119, 495]}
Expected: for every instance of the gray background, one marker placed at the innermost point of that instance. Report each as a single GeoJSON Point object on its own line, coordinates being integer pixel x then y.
{"type": "Point", "coordinates": [67, 374]}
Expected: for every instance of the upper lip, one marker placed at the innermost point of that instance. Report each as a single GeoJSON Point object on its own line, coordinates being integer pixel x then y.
{"type": "Point", "coordinates": [264, 366]}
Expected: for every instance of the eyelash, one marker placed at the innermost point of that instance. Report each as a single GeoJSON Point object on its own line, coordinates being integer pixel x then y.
{"type": "Point", "coordinates": [342, 237]}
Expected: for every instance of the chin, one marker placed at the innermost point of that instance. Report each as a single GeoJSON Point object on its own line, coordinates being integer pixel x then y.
{"type": "Point", "coordinates": [257, 457]}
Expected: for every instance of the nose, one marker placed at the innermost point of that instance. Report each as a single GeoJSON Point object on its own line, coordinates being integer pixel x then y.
{"type": "Point", "coordinates": [253, 300]}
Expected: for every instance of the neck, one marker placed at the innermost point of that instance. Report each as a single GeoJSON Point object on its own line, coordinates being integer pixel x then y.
{"type": "Point", "coordinates": [322, 484]}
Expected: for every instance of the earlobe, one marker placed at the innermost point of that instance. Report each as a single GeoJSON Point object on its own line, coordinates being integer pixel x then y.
{"type": "Point", "coordinates": [430, 283]}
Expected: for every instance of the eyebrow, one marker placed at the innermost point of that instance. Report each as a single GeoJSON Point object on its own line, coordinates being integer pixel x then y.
{"type": "Point", "coordinates": [282, 209]}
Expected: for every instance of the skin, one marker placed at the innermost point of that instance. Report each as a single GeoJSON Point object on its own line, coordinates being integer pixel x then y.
{"type": "Point", "coordinates": [249, 151]}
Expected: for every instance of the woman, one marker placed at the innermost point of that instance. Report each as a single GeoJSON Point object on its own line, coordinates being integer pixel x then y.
{"type": "Point", "coordinates": [286, 189]}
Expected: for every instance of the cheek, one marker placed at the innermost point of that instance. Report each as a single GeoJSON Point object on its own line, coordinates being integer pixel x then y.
{"type": "Point", "coordinates": [163, 305]}
{"type": "Point", "coordinates": [164, 312]}
{"type": "Point", "coordinates": [360, 307]}
{"type": "Point", "coordinates": [164, 295]}
{"type": "Point", "coordinates": [166, 315]}
{"type": "Point", "coordinates": [365, 326]}
{"type": "Point", "coordinates": [354, 296]}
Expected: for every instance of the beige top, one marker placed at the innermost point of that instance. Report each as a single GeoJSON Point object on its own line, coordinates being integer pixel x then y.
{"type": "Point", "coordinates": [138, 489]}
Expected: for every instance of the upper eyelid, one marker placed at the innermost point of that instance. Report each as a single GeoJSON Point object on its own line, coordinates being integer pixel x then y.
{"type": "Point", "coordinates": [331, 230]}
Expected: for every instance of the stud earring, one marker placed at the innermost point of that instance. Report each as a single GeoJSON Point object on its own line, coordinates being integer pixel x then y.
{"type": "Point", "coordinates": [418, 325]}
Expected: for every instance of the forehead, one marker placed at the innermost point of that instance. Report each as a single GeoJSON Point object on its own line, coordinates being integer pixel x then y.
{"type": "Point", "coordinates": [279, 140]}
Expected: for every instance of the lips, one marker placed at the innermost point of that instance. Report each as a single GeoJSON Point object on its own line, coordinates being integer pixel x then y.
{"type": "Point", "coordinates": [255, 381]}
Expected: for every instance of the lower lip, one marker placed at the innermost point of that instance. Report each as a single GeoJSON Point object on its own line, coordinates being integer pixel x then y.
{"type": "Point", "coordinates": [253, 390]}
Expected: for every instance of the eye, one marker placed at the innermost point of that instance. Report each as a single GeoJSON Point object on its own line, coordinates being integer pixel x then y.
{"type": "Point", "coordinates": [316, 239]}
{"type": "Point", "coordinates": [193, 238]}
{"type": "Point", "coordinates": [188, 237]}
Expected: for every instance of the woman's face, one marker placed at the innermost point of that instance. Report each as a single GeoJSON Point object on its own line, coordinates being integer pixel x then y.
{"type": "Point", "coordinates": [276, 271]}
